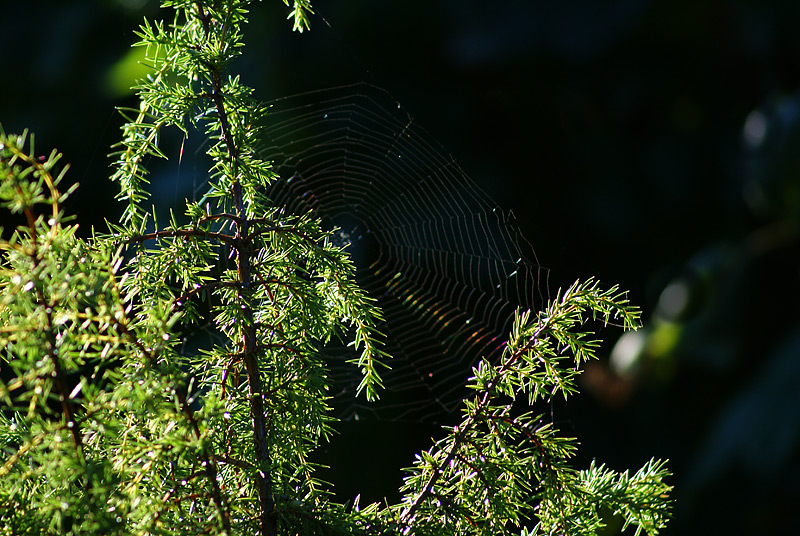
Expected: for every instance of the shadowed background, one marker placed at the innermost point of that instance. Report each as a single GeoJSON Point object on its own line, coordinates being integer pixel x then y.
{"type": "Point", "coordinates": [652, 144]}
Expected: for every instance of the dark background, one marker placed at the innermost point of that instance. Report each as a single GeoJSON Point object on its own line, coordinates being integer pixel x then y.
{"type": "Point", "coordinates": [653, 144]}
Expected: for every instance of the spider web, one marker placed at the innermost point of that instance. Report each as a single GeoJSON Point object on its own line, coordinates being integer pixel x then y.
{"type": "Point", "coordinates": [446, 265]}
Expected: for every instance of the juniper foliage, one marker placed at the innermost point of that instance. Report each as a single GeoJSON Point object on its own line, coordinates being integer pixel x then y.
{"type": "Point", "coordinates": [110, 425]}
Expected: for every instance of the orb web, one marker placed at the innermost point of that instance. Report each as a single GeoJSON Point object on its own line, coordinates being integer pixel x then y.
{"type": "Point", "coordinates": [446, 265]}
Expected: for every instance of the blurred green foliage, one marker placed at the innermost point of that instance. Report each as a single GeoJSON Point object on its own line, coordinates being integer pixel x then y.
{"type": "Point", "coordinates": [123, 75]}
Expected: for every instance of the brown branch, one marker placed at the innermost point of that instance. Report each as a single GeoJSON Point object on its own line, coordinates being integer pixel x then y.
{"type": "Point", "coordinates": [204, 17]}
{"type": "Point", "coordinates": [183, 298]}
{"type": "Point", "coordinates": [58, 373]}
{"type": "Point", "coordinates": [257, 221]}
{"type": "Point", "coordinates": [532, 436]}
{"type": "Point", "coordinates": [222, 237]}
{"type": "Point", "coordinates": [248, 343]}
{"type": "Point", "coordinates": [209, 459]}
{"type": "Point", "coordinates": [280, 346]}
{"type": "Point", "coordinates": [236, 463]}
{"type": "Point", "coordinates": [460, 432]}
